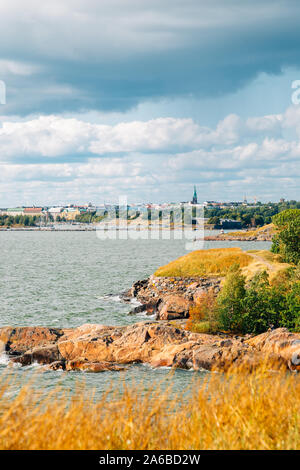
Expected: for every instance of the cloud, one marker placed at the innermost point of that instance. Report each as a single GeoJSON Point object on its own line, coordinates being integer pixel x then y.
{"type": "Point", "coordinates": [111, 55]}
{"type": "Point", "coordinates": [54, 159]}
{"type": "Point", "coordinates": [55, 136]}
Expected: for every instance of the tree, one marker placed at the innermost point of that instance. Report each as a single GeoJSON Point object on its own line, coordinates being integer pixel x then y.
{"type": "Point", "coordinates": [262, 305]}
{"type": "Point", "coordinates": [287, 239]}
{"type": "Point", "coordinates": [215, 220]}
{"type": "Point", "coordinates": [230, 300]}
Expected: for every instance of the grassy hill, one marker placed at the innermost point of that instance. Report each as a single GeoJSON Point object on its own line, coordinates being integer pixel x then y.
{"type": "Point", "coordinates": [266, 230]}
{"type": "Point", "coordinates": [217, 262]}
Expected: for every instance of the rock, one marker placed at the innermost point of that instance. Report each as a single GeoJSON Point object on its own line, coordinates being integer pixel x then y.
{"type": "Point", "coordinates": [198, 294]}
{"type": "Point", "coordinates": [20, 339]}
{"type": "Point", "coordinates": [172, 307]}
{"type": "Point", "coordinates": [96, 348]}
{"type": "Point", "coordinates": [135, 289]}
{"type": "Point", "coordinates": [43, 355]}
{"type": "Point", "coordinates": [172, 355]}
{"type": "Point", "coordinates": [206, 357]}
{"type": "Point", "coordinates": [93, 366]}
{"type": "Point", "coordinates": [280, 343]}
{"type": "Point", "coordinates": [57, 365]}
{"type": "Point", "coordinates": [155, 291]}
{"type": "Point", "coordinates": [149, 308]}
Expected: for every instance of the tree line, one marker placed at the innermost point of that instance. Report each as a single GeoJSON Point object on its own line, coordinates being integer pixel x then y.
{"type": "Point", "coordinates": [249, 216]}
{"type": "Point", "coordinates": [21, 220]}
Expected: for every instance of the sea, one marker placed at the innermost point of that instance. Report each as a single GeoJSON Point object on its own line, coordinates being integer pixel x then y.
{"type": "Point", "coordinates": [66, 279]}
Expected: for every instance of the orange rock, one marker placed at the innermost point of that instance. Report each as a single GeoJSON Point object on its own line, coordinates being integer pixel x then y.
{"type": "Point", "coordinates": [281, 343]}
{"type": "Point", "coordinates": [173, 306]}
{"type": "Point", "coordinates": [20, 339]}
{"type": "Point", "coordinates": [99, 347]}
{"type": "Point", "coordinates": [92, 366]}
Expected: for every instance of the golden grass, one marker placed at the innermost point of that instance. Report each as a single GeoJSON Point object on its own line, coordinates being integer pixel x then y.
{"type": "Point", "coordinates": [217, 262]}
{"type": "Point", "coordinates": [204, 263]}
{"type": "Point", "coordinates": [264, 260]}
{"type": "Point", "coordinates": [267, 255]}
{"type": "Point", "coordinates": [258, 410]}
{"type": "Point", "coordinates": [252, 233]}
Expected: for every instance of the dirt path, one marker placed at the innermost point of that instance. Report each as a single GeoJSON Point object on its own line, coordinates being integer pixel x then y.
{"type": "Point", "coordinates": [270, 266]}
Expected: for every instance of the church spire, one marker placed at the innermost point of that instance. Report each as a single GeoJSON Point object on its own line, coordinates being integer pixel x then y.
{"type": "Point", "coordinates": [195, 198]}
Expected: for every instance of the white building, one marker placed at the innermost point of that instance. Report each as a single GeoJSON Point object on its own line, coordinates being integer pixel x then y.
{"type": "Point", "coordinates": [55, 212]}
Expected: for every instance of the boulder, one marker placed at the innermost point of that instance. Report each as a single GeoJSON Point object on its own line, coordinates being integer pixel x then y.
{"type": "Point", "coordinates": [43, 355]}
{"type": "Point", "coordinates": [92, 366]}
{"type": "Point", "coordinates": [279, 343]}
{"type": "Point", "coordinates": [172, 307]}
{"type": "Point", "coordinates": [56, 365]}
{"type": "Point", "coordinates": [149, 308]}
{"type": "Point", "coordinates": [21, 339]}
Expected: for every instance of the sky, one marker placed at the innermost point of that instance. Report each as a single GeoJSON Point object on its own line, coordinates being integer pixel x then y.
{"type": "Point", "coordinates": [147, 98]}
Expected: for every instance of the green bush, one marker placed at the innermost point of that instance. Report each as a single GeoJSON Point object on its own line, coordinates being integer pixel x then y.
{"type": "Point", "coordinates": [287, 240]}
{"type": "Point", "coordinates": [262, 305]}
{"type": "Point", "coordinates": [256, 307]}
{"type": "Point", "coordinates": [230, 300]}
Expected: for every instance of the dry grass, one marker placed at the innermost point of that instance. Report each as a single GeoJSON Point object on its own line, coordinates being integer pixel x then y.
{"type": "Point", "coordinates": [217, 262]}
{"type": "Point", "coordinates": [259, 410]}
{"type": "Point", "coordinates": [267, 255]}
{"type": "Point", "coordinates": [204, 263]}
{"type": "Point", "coordinates": [252, 233]}
{"type": "Point", "coordinates": [264, 260]}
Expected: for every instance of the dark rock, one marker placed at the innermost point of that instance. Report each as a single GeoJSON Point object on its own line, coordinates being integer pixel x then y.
{"type": "Point", "coordinates": [43, 355]}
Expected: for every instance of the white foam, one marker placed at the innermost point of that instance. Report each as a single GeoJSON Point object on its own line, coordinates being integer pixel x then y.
{"type": "Point", "coordinates": [135, 302]}
{"type": "Point", "coordinates": [35, 365]}
{"type": "Point", "coordinates": [146, 315]}
{"type": "Point", "coordinates": [4, 359]}
{"type": "Point", "coordinates": [114, 298]}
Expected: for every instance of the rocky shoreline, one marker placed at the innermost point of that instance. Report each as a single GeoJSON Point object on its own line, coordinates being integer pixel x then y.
{"type": "Point", "coordinates": [159, 343]}
{"type": "Point", "coordinates": [262, 234]}
{"type": "Point", "coordinates": [232, 238]}
{"type": "Point", "coordinates": [97, 348]}
{"type": "Point", "coordinates": [169, 298]}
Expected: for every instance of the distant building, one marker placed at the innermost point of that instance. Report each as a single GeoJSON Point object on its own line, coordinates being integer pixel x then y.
{"type": "Point", "coordinates": [31, 211]}
{"type": "Point", "coordinates": [195, 198]}
{"type": "Point", "coordinates": [230, 224]}
{"type": "Point", "coordinates": [70, 213]}
{"type": "Point", "coordinates": [15, 211]}
{"type": "Point", "coordinates": [212, 204]}
{"type": "Point", "coordinates": [54, 212]}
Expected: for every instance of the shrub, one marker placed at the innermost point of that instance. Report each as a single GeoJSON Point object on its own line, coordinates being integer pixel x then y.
{"type": "Point", "coordinates": [262, 305]}
{"type": "Point", "coordinates": [287, 240]}
{"type": "Point", "coordinates": [230, 300]}
{"type": "Point", "coordinates": [290, 316]}
{"type": "Point", "coordinates": [203, 315]}
{"type": "Point", "coordinates": [258, 306]}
